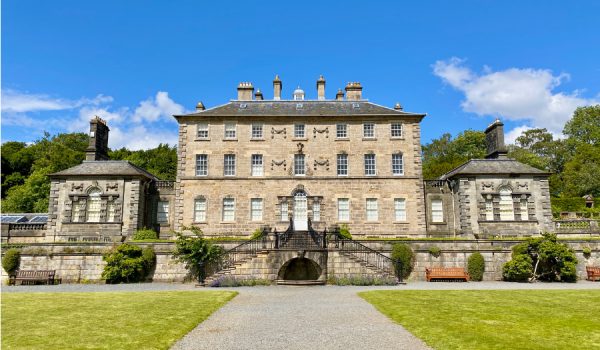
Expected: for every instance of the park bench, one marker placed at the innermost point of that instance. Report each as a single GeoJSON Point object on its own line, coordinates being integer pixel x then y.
{"type": "Point", "coordinates": [593, 273]}
{"type": "Point", "coordinates": [34, 276]}
{"type": "Point", "coordinates": [446, 273]}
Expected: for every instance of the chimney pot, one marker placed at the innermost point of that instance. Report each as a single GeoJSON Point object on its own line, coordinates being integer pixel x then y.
{"type": "Point", "coordinates": [258, 95]}
{"type": "Point", "coordinates": [245, 90]}
{"type": "Point", "coordinates": [353, 91]}
{"type": "Point", "coordinates": [339, 96]}
{"type": "Point", "coordinates": [321, 88]}
{"type": "Point", "coordinates": [398, 107]}
{"type": "Point", "coordinates": [200, 106]}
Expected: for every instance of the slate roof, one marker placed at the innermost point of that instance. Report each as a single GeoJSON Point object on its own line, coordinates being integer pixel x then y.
{"type": "Point", "coordinates": [493, 167]}
{"type": "Point", "coordinates": [105, 168]}
{"type": "Point", "coordinates": [237, 108]}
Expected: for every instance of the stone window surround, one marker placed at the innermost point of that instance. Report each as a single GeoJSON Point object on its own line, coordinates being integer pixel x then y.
{"type": "Point", "coordinates": [430, 200]}
{"type": "Point", "coordinates": [396, 122]}
{"type": "Point", "coordinates": [105, 198]}
{"type": "Point", "coordinates": [517, 197]}
{"type": "Point", "coordinates": [288, 202]}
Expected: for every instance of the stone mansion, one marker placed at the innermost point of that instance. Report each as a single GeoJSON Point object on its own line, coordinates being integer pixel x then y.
{"type": "Point", "coordinates": [316, 163]}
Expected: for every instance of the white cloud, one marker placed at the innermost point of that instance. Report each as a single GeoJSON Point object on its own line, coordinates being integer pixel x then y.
{"type": "Point", "coordinates": [153, 109]}
{"type": "Point", "coordinates": [514, 94]}
{"type": "Point", "coordinates": [511, 136]}
{"type": "Point", "coordinates": [19, 102]}
{"type": "Point", "coordinates": [139, 137]}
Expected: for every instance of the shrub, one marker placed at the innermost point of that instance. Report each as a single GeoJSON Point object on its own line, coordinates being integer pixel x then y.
{"type": "Point", "coordinates": [128, 263]}
{"type": "Point", "coordinates": [257, 233]}
{"type": "Point", "coordinates": [403, 254]}
{"type": "Point", "coordinates": [518, 269]}
{"type": "Point", "coordinates": [232, 281]}
{"type": "Point", "coordinates": [476, 266]}
{"type": "Point", "coordinates": [196, 252]}
{"type": "Point", "coordinates": [345, 232]}
{"type": "Point", "coordinates": [143, 234]}
{"type": "Point", "coordinates": [435, 251]}
{"type": "Point", "coordinates": [11, 261]}
{"type": "Point", "coordinates": [548, 260]}
{"type": "Point", "coordinates": [361, 280]}
{"type": "Point", "coordinates": [587, 252]}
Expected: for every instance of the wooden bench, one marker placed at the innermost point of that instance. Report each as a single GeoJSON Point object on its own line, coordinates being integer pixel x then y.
{"type": "Point", "coordinates": [593, 273]}
{"type": "Point", "coordinates": [446, 273]}
{"type": "Point", "coordinates": [34, 276]}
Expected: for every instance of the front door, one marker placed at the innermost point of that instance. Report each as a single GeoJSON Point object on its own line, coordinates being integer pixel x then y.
{"type": "Point", "coordinates": [300, 212]}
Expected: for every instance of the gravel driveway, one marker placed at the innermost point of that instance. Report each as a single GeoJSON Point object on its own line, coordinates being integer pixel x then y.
{"type": "Point", "coordinates": [293, 317]}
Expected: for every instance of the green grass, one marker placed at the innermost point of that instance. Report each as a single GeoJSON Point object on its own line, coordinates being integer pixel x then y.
{"type": "Point", "coordinates": [123, 320]}
{"type": "Point", "coordinates": [511, 319]}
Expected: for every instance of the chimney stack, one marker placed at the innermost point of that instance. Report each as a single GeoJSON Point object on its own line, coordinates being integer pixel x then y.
{"type": "Point", "coordinates": [321, 88]}
{"type": "Point", "coordinates": [353, 91]}
{"type": "Point", "coordinates": [277, 88]}
{"type": "Point", "coordinates": [340, 95]}
{"type": "Point", "coordinates": [245, 91]}
{"type": "Point", "coordinates": [258, 95]}
{"type": "Point", "coordinates": [494, 140]}
{"type": "Point", "coordinates": [98, 146]}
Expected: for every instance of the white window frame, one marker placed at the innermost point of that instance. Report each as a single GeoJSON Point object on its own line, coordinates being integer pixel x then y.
{"type": "Point", "coordinates": [228, 211]}
{"type": "Point", "coordinates": [229, 166]}
{"type": "Point", "coordinates": [524, 210]}
{"type": "Point", "coordinates": [396, 130]}
{"type": "Point", "coordinates": [341, 131]}
{"type": "Point", "coordinates": [342, 164]}
{"type": "Point", "coordinates": [299, 131]}
{"type": "Point", "coordinates": [400, 209]}
{"type": "Point", "coordinates": [372, 209]}
{"type": "Point", "coordinates": [343, 207]}
{"type": "Point", "coordinates": [200, 205]}
{"type": "Point", "coordinates": [299, 170]}
{"type": "Point", "coordinates": [256, 209]}
{"type": "Point", "coordinates": [162, 212]}
{"type": "Point", "coordinates": [202, 131]}
{"type": "Point", "coordinates": [437, 210]}
{"type": "Point", "coordinates": [256, 131]}
{"type": "Point", "coordinates": [284, 211]}
{"type": "Point", "coordinates": [111, 211]}
{"type": "Point", "coordinates": [93, 210]}
{"type": "Point", "coordinates": [489, 209]}
{"type": "Point", "coordinates": [201, 164]}
{"type": "Point", "coordinates": [78, 208]}
{"type": "Point", "coordinates": [507, 208]}
{"type": "Point", "coordinates": [257, 165]}
{"type": "Point", "coordinates": [368, 130]}
{"type": "Point", "coordinates": [370, 169]}
{"type": "Point", "coordinates": [316, 211]}
{"type": "Point", "coordinates": [398, 164]}
{"type": "Point", "coordinates": [230, 131]}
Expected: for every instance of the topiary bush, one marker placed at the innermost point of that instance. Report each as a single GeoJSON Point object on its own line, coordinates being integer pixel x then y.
{"type": "Point", "coordinates": [11, 261]}
{"type": "Point", "coordinates": [402, 253]}
{"type": "Point", "coordinates": [435, 251]}
{"type": "Point", "coordinates": [128, 263]}
{"type": "Point", "coordinates": [542, 258]}
{"type": "Point", "coordinates": [144, 234]}
{"type": "Point", "coordinates": [476, 266]}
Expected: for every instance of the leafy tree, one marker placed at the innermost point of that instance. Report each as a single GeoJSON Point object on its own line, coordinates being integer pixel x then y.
{"type": "Point", "coordinates": [444, 154]}
{"type": "Point", "coordinates": [584, 126]}
{"type": "Point", "coordinates": [128, 263]}
{"type": "Point", "coordinates": [160, 161]}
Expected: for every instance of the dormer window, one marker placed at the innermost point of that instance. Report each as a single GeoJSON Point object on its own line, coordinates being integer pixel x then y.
{"type": "Point", "coordinates": [298, 94]}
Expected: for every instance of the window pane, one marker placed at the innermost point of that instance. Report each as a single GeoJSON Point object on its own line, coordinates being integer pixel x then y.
{"type": "Point", "coordinates": [228, 209]}
{"type": "Point", "coordinates": [369, 164]}
{"type": "Point", "coordinates": [229, 165]}
{"type": "Point", "coordinates": [78, 210]}
{"type": "Point", "coordinates": [200, 210]}
{"type": "Point", "coordinates": [201, 164]}
{"type": "Point", "coordinates": [299, 130]}
{"type": "Point", "coordinates": [368, 130]}
{"type": "Point", "coordinates": [341, 130]}
{"type": "Point", "coordinates": [257, 131]}
{"type": "Point", "coordinates": [257, 165]}
{"type": "Point", "coordinates": [316, 211]}
{"type": "Point", "coordinates": [342, 164]}
{"type": "Point", "coordinates": [203, 131]}
{"type": "Point", "coordinates": [93, 206]}
{"type": "Point", "coordinates": [299, 168]}
{"type": "Point", "coordinates": [396, 130]}
{"type": "Point", "coordinates": [230, 131]}
{"type": "Point", "coordinates": [284, 211]}
{"type": "Point", "coordinates": [524, 210]}
{"type": "Point", "coordinates": [372, 212]}
{"type": "Point", "coordinates": [162, 213]}
{"type": "Point", "coordinates": [489, 209]}
{"type": "Point", "coordinates": [397, 164]}
{"type": "Point", "coordinates": [437, 211]}
{"type": "Point", "coordinates": [507, 210]}
{"type": "Point", "coordinates": [400, 209]}
{"type": "Point", "coordinates": [111, 211]}
{"type": "Point", "coordinates": [256, 209]}
{"type": "Point", "coordinates": [343, 209]}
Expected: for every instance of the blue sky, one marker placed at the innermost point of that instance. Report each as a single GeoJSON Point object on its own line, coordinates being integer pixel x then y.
{"type": "Point", "coordinates": [134, 63]}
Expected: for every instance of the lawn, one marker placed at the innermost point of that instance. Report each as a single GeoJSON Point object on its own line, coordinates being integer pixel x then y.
{"type": "Point", "coordinates": [123, 320]}
{"type": "Point", "coordinates": [509, 319]}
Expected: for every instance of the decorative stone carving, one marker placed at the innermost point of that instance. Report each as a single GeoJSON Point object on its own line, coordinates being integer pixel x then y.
{"type": "Point", "coordinates": [112, 186]}
{"type": "Point", "coordinates": [280, 131]}
{"type": "Point", "coordinates": [522, 185]}
{"type": "Point", "coordinates": [279, 163]}
{"type": "Point", "coordinates": [487, 185]}
{"type": "Point", "coordinates": [300, 147]}
{"type": "Point", "coordinates": [321, 163]}
{"type": "Point", "coordinates": [321, 131]}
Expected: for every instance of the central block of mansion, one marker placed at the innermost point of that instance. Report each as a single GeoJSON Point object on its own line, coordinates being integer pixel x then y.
{"type": "Point", "coordinates": [254, 162]}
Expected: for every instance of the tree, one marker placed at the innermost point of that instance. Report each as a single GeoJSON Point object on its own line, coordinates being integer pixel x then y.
{"type": "Point", "coordinates": [444, 154]}
{"type": "Point", "coordinates": [584, 126]}
{"type": "Point", "coordinates": [196, 252]}
{"type": "Point", "coordinates": [160, 161]}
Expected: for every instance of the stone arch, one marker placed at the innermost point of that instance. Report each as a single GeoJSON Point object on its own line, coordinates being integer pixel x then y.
{"type": "Point", "coordinates": [299, 188]}
{"type": "Point", "coordinates": [300, 268]}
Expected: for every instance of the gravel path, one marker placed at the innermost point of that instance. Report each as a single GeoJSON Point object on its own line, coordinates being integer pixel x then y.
{"type": "Point", "coordinates": [292, 317]}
